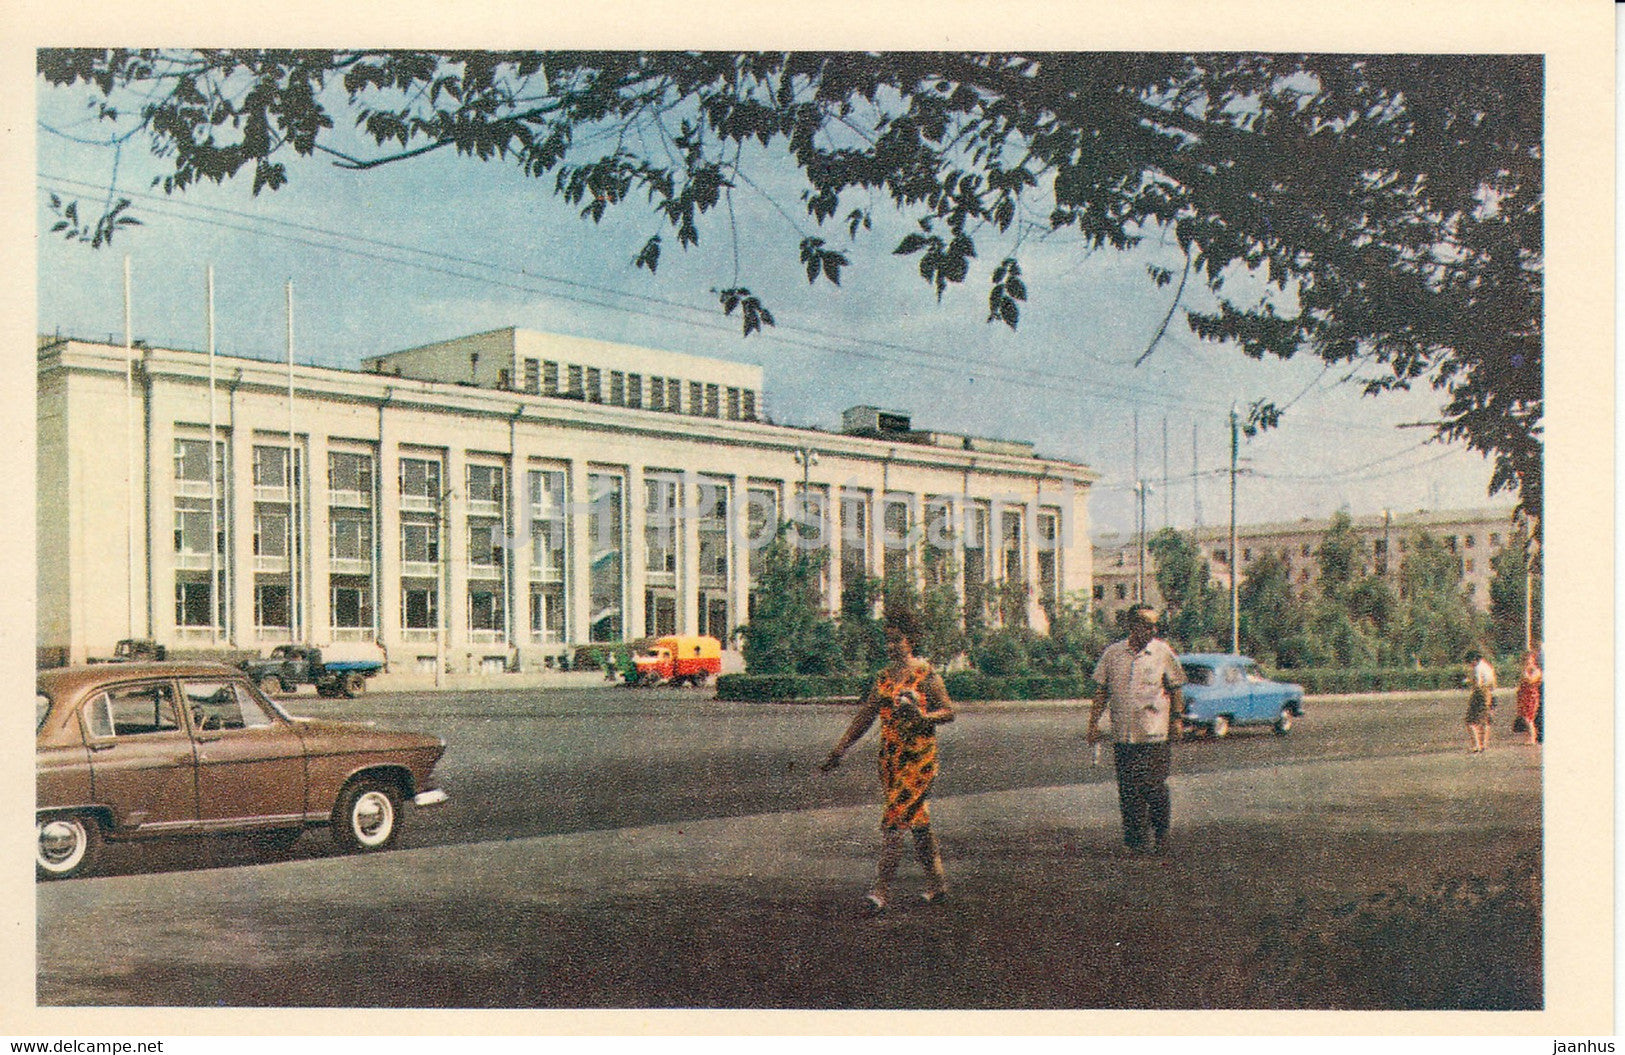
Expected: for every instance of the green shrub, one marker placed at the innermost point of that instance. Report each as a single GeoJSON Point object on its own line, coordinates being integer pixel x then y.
{"type": "Point", "coordinates": [1336, 680]}
{"type": "Point", "coordinates": [962, 685]}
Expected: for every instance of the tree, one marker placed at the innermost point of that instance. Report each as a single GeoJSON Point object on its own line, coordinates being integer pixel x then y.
{"type": "Point", "coordinates": [789, 632]}
{"type": "Point", "coordinates": [1194, 607]}
{"type": "Point", "coordinates": [1273, 620]}
{"type": "Point", "coordinates": [1384, 213]}
{"type": "Point", "coordinates": [1510, 588]}
{"type": "Point", "coordinates": [1437, 624]}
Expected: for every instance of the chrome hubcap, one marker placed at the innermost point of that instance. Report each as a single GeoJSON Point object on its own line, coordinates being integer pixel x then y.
{"type": "Point", "coordinates": [373, 817]}
{"type": "Point", "coordinates": [60, 841]}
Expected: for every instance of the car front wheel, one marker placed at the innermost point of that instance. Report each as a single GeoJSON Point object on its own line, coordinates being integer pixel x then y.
{"type": "Point", "coordinates": [368, 817]}
{"type": "Point", "coordinates": [1283, 724]}
{"type": "Point", "coordinates": [68, 846]}
{"type": "Point", "coordinates": [1220, 727]}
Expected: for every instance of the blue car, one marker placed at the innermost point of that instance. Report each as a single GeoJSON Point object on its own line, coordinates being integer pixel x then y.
{"type": "Point", "coordinates": [1222, 691]}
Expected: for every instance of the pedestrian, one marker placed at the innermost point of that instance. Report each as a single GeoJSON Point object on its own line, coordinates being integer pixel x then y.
{"type": "Point", "coordinates": [1480, 682]}
{"type": "Point", "coordinates": [1142, 684]}
{"type": "Point", "coordinates": [1529, 694]}
{"type": "Point", "coordinates": [910, 701]}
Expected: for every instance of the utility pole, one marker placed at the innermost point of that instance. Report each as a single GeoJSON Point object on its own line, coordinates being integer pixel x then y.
{"type": "Point", "coordinates": [1165, 517]}
{"type": "Point", "coordinates": [1235, 563]}
{"type": "Point", "coordinates": [1140, 488]}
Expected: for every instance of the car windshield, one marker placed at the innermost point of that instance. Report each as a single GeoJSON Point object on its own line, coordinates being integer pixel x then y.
{"type": "Point", "coordinates": [1253, 673]}
{"type": "Point", "coordinates": [1198, 675]}
{"type": "Point", "coordinates": [42, 707]}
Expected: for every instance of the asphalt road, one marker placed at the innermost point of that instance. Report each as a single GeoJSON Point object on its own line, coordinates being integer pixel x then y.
{"type": "Point", "coordinates": [618, 849]}
{"type": "Point", "coordinates": [528, 763]}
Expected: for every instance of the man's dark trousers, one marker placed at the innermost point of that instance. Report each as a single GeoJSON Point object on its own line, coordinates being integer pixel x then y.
{"type": "Point", "coordinates": [1142, 791]}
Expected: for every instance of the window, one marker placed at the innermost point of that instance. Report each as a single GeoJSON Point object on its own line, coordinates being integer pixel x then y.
{"type": "Point", "coordinates": [674, 395]}
{"type": "Point", "coordinates": [713, 532]}
{"type": "Point", "coordinates": [547, 527]}
{"type": "Point", "coordinates": [420, 478]}
{"type": "Point", "coordinates": [350, 538]}
{"type": "Point", "coordinates": [132, 710]}
{"type": "Point", "coordinates": [420, 542]}
{"type": "Point", "coordinates": [484, 610]}
{"type": "Point", "coordinates": [1222, 556]}
{"type": "Point", "coordinates": [1467, 541]}
{"type": "Point", "coordinates": [1469, 564]}
{"type": "Point", "coordinates": [352, 605]}
{"type": "Point", "coordinates": [1100, 592]}
{"type": "Point", "coordinates": [193, 523]}
{"type": "Point", "coordinates": [1010, 523]}
{"type": "Point", "coordinates": [192, 461]}
{"type": "Point", "coordinates": [271, 606]}
{"type": "Point", "coordinates": [605, 589]}
{"type": "Point", "coordinates": [223, 705]}
{"type": "Point", "coordinates": [696, 398]}
{"type": "Point", "coordinates": [733, 403]}
{"type": "Point", "coordinates": [1303, 550]}
{"type": "Point", "coordinates": [895, 524]}
{"type": "Point", "coordinates": [573, 384]}
{"type": "Point", "coordinates": [485, 483]}
{"type": "Point", "coordinates": [634, 390]}
{"type": "Point", "coordinates": [547, 614]}
{"type": "Point", "coordinates": [660, 523]}
{"type": "Point", "coordinates": [748, 401]}
{"type": "Point", "coordinates": [533, 375]}
{"type": "Point", "coordinates": [712, 401]}
{"type": "Point", "coordinates": [420, 607]}
{"type": "Point", "coordinates": [1495, 539]}
{"type": "Point", "coordinates": [761, 525]}
{"type": "Point", "coordinates": [485, 543]}
{"type": "Point", "coordinates": [617, 388]}
{"type": "Point", "coordinates": [657, 393]}
{"type": "Point", "coordinates": [595, 385]}
{"type": "Point", "coordinates": [193, 599]}
{"type": "Point", "coordinates": [270, 467]}
{"type": "Point", "coordinates": [550, 378]}
{"type": "Point", "coordinates": [1246, 554]}
{"type": "Point", "coordinates": [349, 472]}
{"type": "Point", "coordinates": [1122, 591]}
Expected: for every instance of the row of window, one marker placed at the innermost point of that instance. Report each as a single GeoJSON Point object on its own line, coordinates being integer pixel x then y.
{"type": "Point", "coordinates": [626, 389]}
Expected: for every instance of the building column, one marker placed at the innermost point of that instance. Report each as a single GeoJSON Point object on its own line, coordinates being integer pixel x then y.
{"type": "Point", "coordinates": [387, 538]}
{"type": "Point", "coordinates": [738, 552]}
{"type": "Point", "coordinates": [832, 542]}
{"type": "Point", "coordinates": [578, 583]}
{"type": "Point", "coordinates": [319, 624]}
{"type": "Point", "coordinates": [688, 554]}
{"type": "Point", "coordinates": [240, 539]}
{"type": "Point", "coordinates": [637, 551]}
{"type": "Point", "coordinates": [161, 523]}
{"type": "Point", "coordinates": [454, 513]}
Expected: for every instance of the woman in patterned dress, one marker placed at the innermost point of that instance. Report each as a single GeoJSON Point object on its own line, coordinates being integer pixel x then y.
{"type": "Point", "coordinates": [910, 700]}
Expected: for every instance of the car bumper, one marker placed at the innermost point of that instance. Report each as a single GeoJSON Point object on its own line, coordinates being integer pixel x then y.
{"type": "Point", "coordinates": [432, 797]}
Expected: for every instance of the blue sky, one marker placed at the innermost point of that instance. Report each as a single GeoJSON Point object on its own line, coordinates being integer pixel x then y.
{"type": "Point", "coordinates": [439, 246]}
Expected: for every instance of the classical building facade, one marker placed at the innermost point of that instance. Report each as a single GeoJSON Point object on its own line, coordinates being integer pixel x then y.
{"type": "Point", "coordinates": [1474, 535]}
{"type": "Point", "coordinates": [491, 502]}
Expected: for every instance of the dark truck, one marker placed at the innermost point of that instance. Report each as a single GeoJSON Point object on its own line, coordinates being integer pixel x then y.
{"type": "Point", "coordinates": [342, 670]}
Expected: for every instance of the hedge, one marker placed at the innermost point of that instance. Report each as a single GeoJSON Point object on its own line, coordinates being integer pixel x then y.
{"type": "Point", "coordinates": [973, 685]}
{"type": "Point", "coordinates": [962, 685]}
{"type": "Point", "coordinates": [1334, 680]}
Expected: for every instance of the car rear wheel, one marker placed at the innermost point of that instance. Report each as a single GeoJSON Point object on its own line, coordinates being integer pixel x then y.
{"type": "Point", "coordinates": [1283, 724]}
{"type": "Point", "coordinates": [68, 846]}
{"type": "Point", "coordinates": [353, 685]}
{"type": "Point", "coordinates": [1220, 728]}
{"type": "Point", "coordinates": [368, 817]}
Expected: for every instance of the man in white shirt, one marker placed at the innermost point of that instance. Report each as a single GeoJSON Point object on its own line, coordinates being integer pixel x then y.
{"type": "Point", "coordinates": [1142, 682]}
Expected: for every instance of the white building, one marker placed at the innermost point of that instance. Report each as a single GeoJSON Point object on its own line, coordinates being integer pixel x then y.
{"type": "Point", "coordinates": [488, 503]}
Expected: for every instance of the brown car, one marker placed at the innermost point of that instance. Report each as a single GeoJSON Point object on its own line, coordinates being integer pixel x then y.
{"type": "Point", "coordinates": [138, 750]}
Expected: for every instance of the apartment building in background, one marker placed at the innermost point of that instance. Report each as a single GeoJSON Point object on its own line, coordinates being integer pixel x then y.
{"type": "Point", "coordinates": [1475, 536]}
